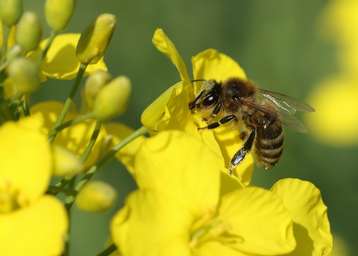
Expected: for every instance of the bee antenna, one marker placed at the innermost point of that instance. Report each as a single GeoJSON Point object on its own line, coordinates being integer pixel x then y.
{"type": "Point", "coordinates": [198, 80]}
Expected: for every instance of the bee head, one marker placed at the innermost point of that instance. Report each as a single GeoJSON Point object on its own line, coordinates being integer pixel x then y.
{"type": "Point", "coordinates": [208, 98]}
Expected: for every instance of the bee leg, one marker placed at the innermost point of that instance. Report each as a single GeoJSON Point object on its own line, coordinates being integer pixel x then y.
{"type": "Point", "coordinates": [223, 120]}
{"type": "Point", "coordinates": [217, 109]}
{"type": "Point", "coordinates": [194, 103]}
{"type": "Point", "coordinates": [240, 155]}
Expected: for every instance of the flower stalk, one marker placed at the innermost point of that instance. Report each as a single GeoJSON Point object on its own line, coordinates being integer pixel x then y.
{"type": "Point", "coordinates": [54, 131]}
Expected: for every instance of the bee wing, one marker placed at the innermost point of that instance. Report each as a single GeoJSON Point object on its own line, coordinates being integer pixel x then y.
{"type": "Point", "coordinates": [287, 118]}
{"type": "Point", "coordinates": [292, 122]}
{"type": "Point", "coordinates": [285, 103]}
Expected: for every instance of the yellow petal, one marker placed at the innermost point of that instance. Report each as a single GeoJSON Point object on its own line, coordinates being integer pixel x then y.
{"type": "Point", "coordinates": [211, 64]}
{"type": "Point", "coordinates": [49, 112]}
{"type": "Point", "coordinates": [259, 221]}
{"type": "Point", "coordinates": [331, 124]}
{"type": "Point", "coordinates": [215, 248]}
{"type": "Point", "coordinates": [74, 138]}
{"type": "Point", "coordinates": [39, 229]}
{"type": "Point", "coordinates": [25, 165]}
{"type": "Point", "coordinates": [11, 36]}
{"type": "Point", "coordinates": [181, 167]}
{"type": "Point", "coordinates": [309, 213]}
{"type": "Point", "coordinates": [163, 43]}
{"type": "Point", "coordinates": [126, 155]}
{"type": "Point", "coordinates": [159, 224]}
{"type": "Point", "coordinates": [156, 114]}
{"type": "Point", "coordinates": [61, 61]}
{"type": "Point", "coordinates": [170, 111]}
{"type": "Point", "coordinates": [65, 163]}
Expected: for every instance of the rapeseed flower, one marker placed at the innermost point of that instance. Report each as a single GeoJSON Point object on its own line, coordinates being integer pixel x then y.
{"type": "Point", "coordinates": [31, 223]}
{"type": "Point", "coordinates": [61, 61]}
{"type": "Point", "coordinates": [170, 110]}
{"type": "Point", "coordinates": [331, 124]}
{"type": "Point", "coordinates": [75, 138]}
{"type": "Point", "coordinates": [178, 210]}
{"type": "Point", "coordinates": [340, 22]}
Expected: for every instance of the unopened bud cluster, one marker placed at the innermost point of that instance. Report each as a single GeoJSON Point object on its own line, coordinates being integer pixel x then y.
{"type": "Point", "coordinates": [72, 144]}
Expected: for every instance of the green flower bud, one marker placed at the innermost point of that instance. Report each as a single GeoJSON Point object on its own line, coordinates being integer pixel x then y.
{"type": "Point", "coordinates": [28, 32]}
{"type": "Point", "coordinates": [94, 84]}
{"type": "Point", "coordinates": [10, 11]}
{"type": "Point", "coordinates": [65, 162]}
{"type": "Point", "coordinates": [96, 196]}
{"type": "Point", "coordinates": [112, 99]}
{"type": "Point", "coordinates": [58, 13]}
{"type": "Point", "coordinates": [95, 39]}
{"type": "Point", "coordinates": [24, 75]}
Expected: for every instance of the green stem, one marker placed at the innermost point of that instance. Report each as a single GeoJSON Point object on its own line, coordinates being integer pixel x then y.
{"type": "Point", "coordinates": [48, 44]}
{"type": "Point", "coordinates": [89, 174]}
{"type": "Point", "coordinates": [68, 102]}
{"type": "Point", "coordinates": [92, 141]}
{"type": "Point", "coordinates": [75, 121]}
{"type": "Point", "coordinates": [108, 250]}
{"type": "Point", "coordinates": [25, 105]}
{"type": "Point", "coordinates": [54, 190]}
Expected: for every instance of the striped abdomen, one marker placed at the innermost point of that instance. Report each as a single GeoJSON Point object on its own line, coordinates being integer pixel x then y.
{"type": "Point", "coordinates": [269, 144]}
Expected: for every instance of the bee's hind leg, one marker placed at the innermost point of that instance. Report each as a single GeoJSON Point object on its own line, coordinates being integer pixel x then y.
{"type": "Point", "coordinates": [240, 155]}
{"type": "Point", "coordinates": [223, 120]}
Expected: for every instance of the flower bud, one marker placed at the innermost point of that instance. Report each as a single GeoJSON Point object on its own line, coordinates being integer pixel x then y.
{"type": "Point", "coordinates": [95, 39]}
{"type": "Point", "coordinates": [112, 99]}
{"type": "Point", "coordinates": [10, 11]}
{"type": "Point", "coordinates": [94, 84]}
{"type": "Point", "coordinates": [96, 196]}
{"type": "Point", "coordinates": [28, 32]}
{"type": "Point", "coordinates": [58, 13]}
{"type": "Point", "coordinates": [24, 75]}
{"type": "Point", "coordinates": [65, 162]}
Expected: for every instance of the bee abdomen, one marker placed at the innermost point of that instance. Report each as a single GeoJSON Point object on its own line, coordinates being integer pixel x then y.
{"type": "Point", "coordinates": [269, 144]}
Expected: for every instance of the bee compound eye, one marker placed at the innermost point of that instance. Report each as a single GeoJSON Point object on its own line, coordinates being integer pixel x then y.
{"type": "Point", "coordinates": [210, 100]}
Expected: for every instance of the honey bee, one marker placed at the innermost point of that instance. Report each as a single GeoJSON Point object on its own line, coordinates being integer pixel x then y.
{"type": "Point", "coordinates": [263, 113]}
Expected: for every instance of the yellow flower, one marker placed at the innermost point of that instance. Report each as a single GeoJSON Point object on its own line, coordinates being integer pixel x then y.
{"type": "Point", "coordinates": [336, 120]}
{"type": "Point", "coordinates": [31, 223]}
{"type": "Point", "coordinates": [170, 110]}
{"type": "Point", "coordinates": [117, 132]}
{"type": "Point", "coordinates": [75, 138]}
{"type": "Point", "coordinates": [61, 61]}
{"type": "Point", "coordinates": [177, 209]}
{"type": "Point", "coordinates": [340, 21]}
